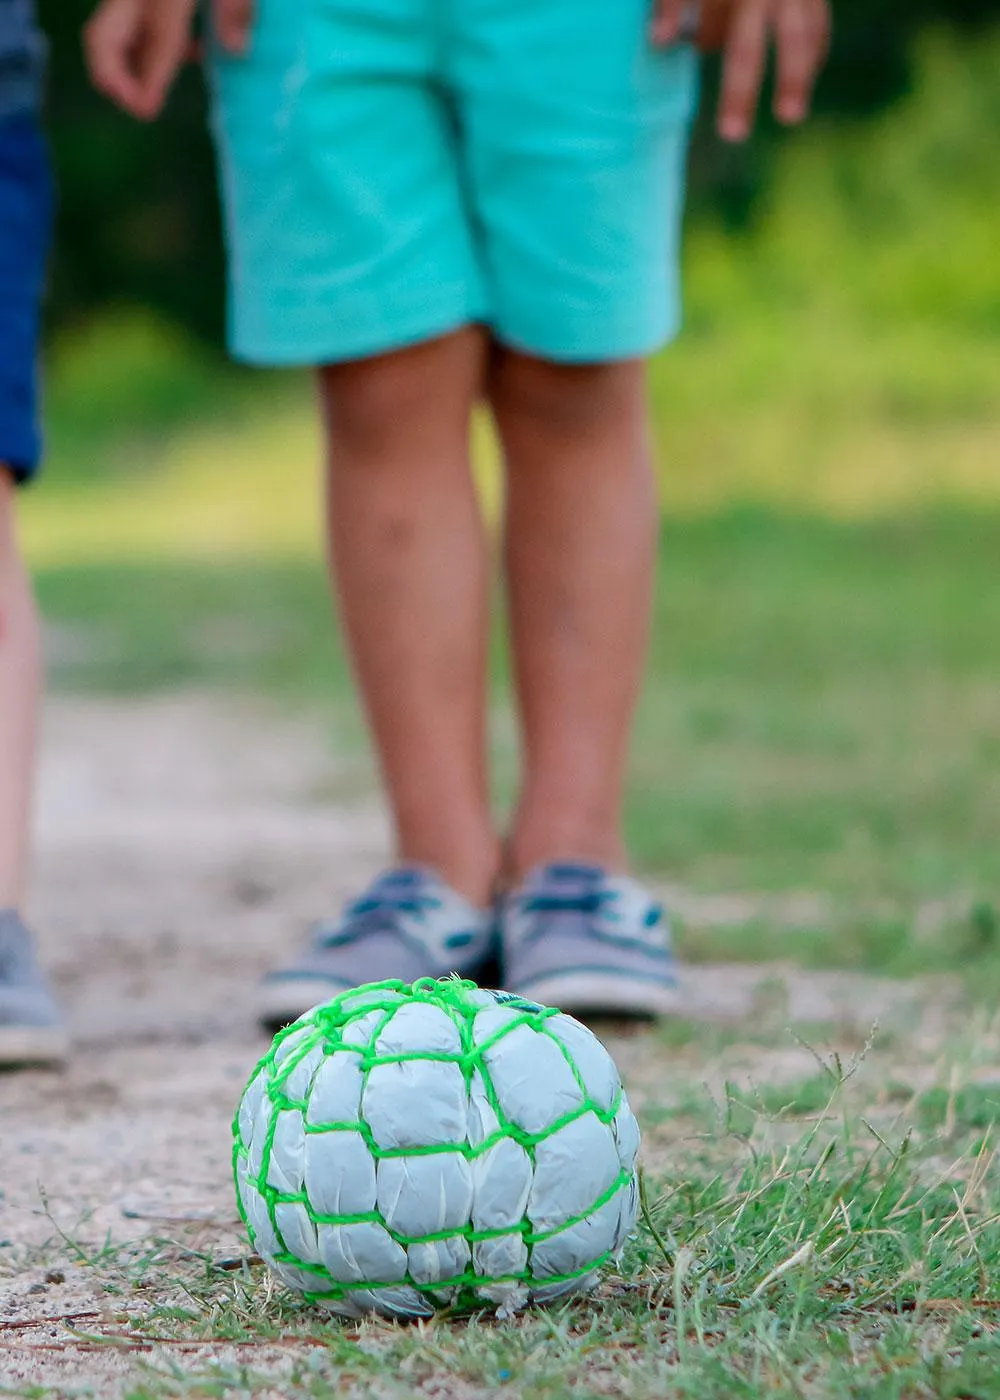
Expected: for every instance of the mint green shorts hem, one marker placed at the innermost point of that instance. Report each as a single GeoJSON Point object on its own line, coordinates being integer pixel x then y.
{"type": "Point", "coordinates": [584, 348]}
{"type": "Point", "coordinates": [299, 330]}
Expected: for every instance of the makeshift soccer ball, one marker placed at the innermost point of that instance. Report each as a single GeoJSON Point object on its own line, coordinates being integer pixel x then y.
{"type": "Point", "coordinates": [401, 1149]}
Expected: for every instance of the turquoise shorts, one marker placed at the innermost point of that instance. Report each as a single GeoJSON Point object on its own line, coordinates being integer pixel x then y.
{"type": "Point", "coordinates": [395, 169]}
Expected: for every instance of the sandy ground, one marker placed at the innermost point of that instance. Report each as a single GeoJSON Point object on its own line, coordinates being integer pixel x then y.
{"type": "Point", "coordinates": [182, 845]}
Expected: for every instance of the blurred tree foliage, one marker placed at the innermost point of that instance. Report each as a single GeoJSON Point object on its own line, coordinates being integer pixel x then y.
{"type": "Point", "coordinates": [139, 217]}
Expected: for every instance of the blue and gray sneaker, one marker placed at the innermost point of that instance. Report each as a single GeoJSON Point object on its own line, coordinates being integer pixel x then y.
{"type": "Point", "coordinates": [575, 937]}
{"type": "Point", "coordinates": [408, 924]}
{"type": "Point", "coordinates": [31, 1028]}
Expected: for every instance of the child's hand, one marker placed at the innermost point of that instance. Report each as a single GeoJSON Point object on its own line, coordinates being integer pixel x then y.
{"type": "Point", "coordinates": [742, 28]}
{"type": "Point", "coordinates": [232, 21]}
{"type": "Point", "coordinates": [135, 48]}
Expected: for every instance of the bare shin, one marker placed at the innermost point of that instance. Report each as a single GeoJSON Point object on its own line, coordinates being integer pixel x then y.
{"type": "Point", "coordinates": [580, 550]}
{"type": "Point", "coordinates": [411, 569]}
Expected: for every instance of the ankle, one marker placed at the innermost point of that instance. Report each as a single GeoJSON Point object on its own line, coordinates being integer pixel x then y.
{"type": "Point", "coordinates": [470, 872]}
{"type": "Point", "coordinates": [530, 851]}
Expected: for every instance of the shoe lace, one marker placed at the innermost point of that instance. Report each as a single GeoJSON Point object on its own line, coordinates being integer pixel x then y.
{"type": "Point", "coordinates": [370, 913]}
{"type": "Point", "coordinates": [591, 903]}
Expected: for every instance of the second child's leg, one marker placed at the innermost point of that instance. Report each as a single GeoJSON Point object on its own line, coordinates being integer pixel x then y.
{"type": "Point", "coordinates": [411, 568]}
{"type": "Point", "coordinates": [30, 1024]}
{"type": "Point", "coordinates": [19, 693]}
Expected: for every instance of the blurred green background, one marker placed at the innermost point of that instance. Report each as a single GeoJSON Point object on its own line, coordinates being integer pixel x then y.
{"type": "Point", "coordinates": [822, 722]}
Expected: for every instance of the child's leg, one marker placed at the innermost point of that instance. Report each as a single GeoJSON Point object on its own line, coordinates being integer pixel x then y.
{"type": "Point", "coordinates": [30, 1024]}
{"type": "Point", "coordinates": [19, 686]}
{"type": "Point", "coordinates": [580, 548]}
{"type": "Point", "coordinates": [410, 563]}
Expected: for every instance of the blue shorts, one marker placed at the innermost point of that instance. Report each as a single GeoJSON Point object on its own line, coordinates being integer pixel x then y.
{"type": "Point", "coordinates": [25, 230]}
{"type": "Point", "coordinates": [395, 169]}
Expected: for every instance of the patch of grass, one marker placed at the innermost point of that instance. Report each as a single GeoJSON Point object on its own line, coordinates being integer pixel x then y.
{"type": "Point", "coordinates": [971, 1107]}
{"type": "Point", "coordinates": [820, 700]}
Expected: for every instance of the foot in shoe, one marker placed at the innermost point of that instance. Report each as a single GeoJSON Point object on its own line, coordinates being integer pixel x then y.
{"type": "Point", "coordinates": [31, 1027]}
{"type": "Point", "coordinates": [408, 924]}
{"type": "Point", "coordinates": [576, 937]}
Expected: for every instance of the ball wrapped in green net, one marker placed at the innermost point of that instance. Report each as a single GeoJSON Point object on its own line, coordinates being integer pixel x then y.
{"type": "Point", "coordinates": [406, 1148]}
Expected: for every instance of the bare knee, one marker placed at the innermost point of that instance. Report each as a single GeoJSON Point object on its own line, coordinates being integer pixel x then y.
{"type": "Point", "coordinates": [373, 404]}
{"type": "Point", "coordinates": [564, 399]}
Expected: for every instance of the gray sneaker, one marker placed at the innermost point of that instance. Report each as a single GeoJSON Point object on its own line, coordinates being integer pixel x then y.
{"type": "Point", "coordinates": [408, 924]}
{"type": "Point", "coordinates": [31, 1028]}
{"type": "Point", "coordinates": [575, 937]}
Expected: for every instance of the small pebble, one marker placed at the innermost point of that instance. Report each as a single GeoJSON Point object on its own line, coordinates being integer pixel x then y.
{"type": "Point", "coordinates": [55, 1276]}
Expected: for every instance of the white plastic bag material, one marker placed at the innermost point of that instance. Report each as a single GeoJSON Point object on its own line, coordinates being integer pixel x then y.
{"type": "Point", "coordinates": [574, 1167]}
{"type": "Point", "coordinates": [626, 1134]}
{"type": "Point", "coordinates": [593, 1063]}
{"type": "Point", "coordinates": [483, 1121]}
{"type": "Point", "coordinates": [534, 1084]}
{"type": "Point", "coordinates": [262, 1235]}
{"type": "Point", "coordinates": [549, 1292]}
{"type": "Point", "coordinates": [370, 996]}
{"type": "Point", "coordinates": [339, 1173]}
{"type": "Point", "coordinates": [255, 1134]}
{"type": "Point", "coordinates": [293, 1041]}
{"type": "Point", "coordinates": [578, 1245]}
{"type": "Point", "coordinates": [491, 1019]}
{"type": "Point", "coordinates": [416, 1103]}
{"type": "Point", "coordinates": [416, 1026]}
{"type": "Point", "coordinates": [297, 1231]}
{"type": "Point", "coordinates": [362, 1253]}
{"type": "Point", "coordinates": [360, 1302]}
{"type": "Point", "coordinates": [360, 1032]}
{"type": "Point", "coordinates": [629, 1215]}
{"type": "Point", "coordinates": [500, 1256]}
{"type": "Point", "coordinates": [286, 1168]}
{"type": "Point", "coordinates": [336, 1090]}
{"type": "Point", "coordinates": [501, 1185]}
{"type": "Point", "coordinates": [251, 1107]}
{"type": "Point", "coordinates": [302, 1279]}
{"type": "Point", "coordinates": [424, 1195]}
{"type": "Point", "coordinates": [439, 1259]}
{"type": "Point", "coordinates": [404, 1302]}
{"type": "Point", "coordinates": [297, 1086]}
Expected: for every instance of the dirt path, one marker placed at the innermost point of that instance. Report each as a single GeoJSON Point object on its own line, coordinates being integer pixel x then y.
{"type": "Point", "coordinates": [180, 844]}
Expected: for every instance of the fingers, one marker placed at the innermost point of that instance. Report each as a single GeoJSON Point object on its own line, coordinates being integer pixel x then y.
{"type": "Point", "coordinates": [233, 20]}
{"type": "Point", "coordinates": [801, 29]}
{"type": "Point", "coordinates": [668, 20]}
{"type": "Point", "coordinates": [109, 39]}
{"type": "Point", "coordinates": [801, 32]}
{"type": "Point", "coordinates": [743, 70]}
{"type": "Point", "coordinates": [166, 49]}
{"type": "Point", "coordinates": [134, 49]}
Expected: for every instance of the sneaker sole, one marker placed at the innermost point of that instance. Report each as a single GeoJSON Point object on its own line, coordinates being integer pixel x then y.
{"type": "Point", "coordinates": [602, 994]}
{"type": "Point", "coordinates": [32, 1045]}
